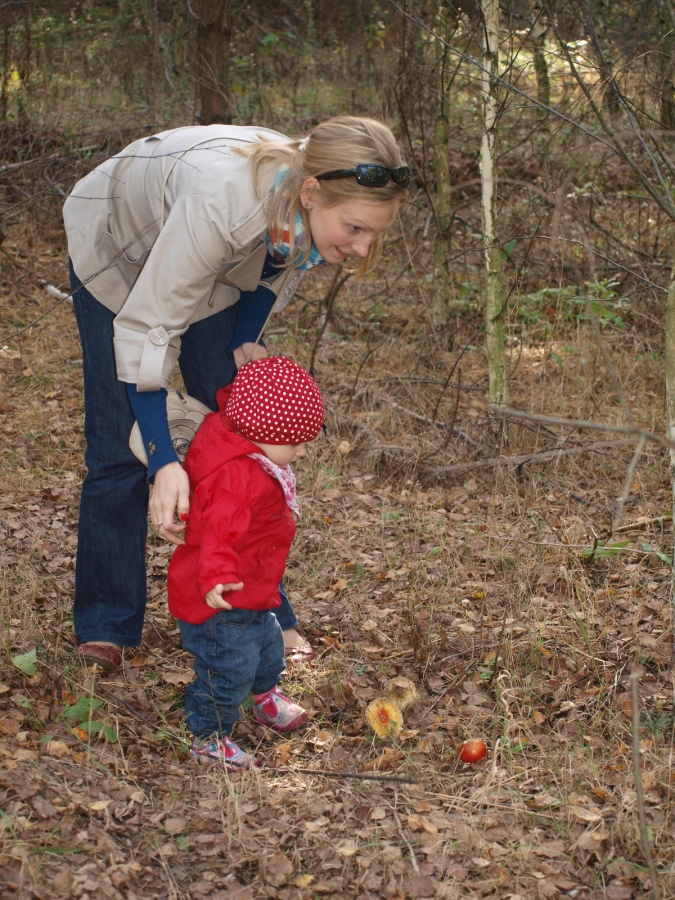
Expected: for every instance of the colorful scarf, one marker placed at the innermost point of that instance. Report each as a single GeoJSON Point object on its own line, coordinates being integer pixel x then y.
{"type": "Point", "coordinates": [279, 245]}
{"type": "Point", "coordinates": [284, 476]}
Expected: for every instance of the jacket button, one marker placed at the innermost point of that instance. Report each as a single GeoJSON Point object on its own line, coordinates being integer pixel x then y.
{"type": "Point", "coordinates": [158, 336]}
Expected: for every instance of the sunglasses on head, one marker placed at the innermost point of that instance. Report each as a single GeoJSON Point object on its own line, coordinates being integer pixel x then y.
{"type": "Point", "coordinates": [371, 175]}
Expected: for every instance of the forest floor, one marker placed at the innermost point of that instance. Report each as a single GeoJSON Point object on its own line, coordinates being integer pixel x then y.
{"type": "Point", "coordinates": [476, 583]}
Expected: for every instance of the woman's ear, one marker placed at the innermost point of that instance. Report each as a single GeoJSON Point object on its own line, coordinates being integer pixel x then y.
{"type": "Point", "coordinates": [307, 196]}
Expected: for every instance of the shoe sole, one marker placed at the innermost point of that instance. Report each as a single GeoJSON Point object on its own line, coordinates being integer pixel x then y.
{"type": "Point", "coordinates": [210, 761]}
{"type": "Point", "coordinates": [297, 722]}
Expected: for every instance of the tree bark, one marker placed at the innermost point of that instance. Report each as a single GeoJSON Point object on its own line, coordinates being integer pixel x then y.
{"type": "Point", "coordinates": [494, 294]}
{"type": "Point", "coordinates": [669, 354]}
{"type": "Point", "coordinates": [666, 71]}
{"type": "Point", "coordinates": [440, 310]}
{"type": "Point", "coordinates": [541, 67]}
{"type": "Point", "coordinates": [213, 62]}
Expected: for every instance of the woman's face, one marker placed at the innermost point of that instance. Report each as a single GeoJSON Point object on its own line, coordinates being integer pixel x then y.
{"type": "Point", "coordinates": [348, 228]}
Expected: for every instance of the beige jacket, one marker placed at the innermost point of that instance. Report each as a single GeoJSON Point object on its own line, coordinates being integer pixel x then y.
{"type": "Point", "coordinates": [170, 231]}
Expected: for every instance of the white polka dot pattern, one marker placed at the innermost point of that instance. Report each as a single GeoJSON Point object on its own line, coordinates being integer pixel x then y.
{"type": "Point", "coordinates": [275, 401]}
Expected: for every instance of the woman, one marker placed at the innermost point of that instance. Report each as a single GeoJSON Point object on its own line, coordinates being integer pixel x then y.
{"type": "Point", "coordinates": [185, 241]}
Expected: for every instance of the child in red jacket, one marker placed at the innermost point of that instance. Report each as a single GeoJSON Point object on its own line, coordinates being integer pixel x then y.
{"type": "Point", "coordinates": [236, 544]}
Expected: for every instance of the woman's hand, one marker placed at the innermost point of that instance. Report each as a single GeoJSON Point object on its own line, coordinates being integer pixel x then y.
{"type": "Point", "coordinates": [214, 598]}
{"type": "Point", "coordinates": [170, 497]}
{"type": "Point", "coordinates": [247, 353]}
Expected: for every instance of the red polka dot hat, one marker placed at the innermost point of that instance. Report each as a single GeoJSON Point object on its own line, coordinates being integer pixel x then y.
{"type": "Point", "coordinates": [275, 401]}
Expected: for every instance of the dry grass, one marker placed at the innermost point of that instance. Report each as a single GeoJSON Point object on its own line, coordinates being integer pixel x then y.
{"type": "Point", "coordinates": [476, 589]}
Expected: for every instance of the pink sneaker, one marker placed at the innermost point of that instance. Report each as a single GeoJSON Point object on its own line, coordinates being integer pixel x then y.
{"type": "Point", "coordinates": [276, 711]}
{"type": "Point", "coordinates": [223, 751]}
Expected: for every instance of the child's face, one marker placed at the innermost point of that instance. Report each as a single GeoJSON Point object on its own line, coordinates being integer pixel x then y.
{"type": "Point", "coordinates": [282, 455]}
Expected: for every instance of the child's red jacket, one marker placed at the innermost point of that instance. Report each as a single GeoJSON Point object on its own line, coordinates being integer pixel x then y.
{"type": "Point", "coordinates": [239, 528]}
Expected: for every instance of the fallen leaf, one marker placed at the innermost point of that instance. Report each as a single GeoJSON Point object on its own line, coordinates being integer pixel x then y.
{"type": "Point", "coordinates": [551, 850]}
{"type": "Point", "coordinates": [317, 825]}
{"type": "Point", "coordinates": [26, 662]}
{"type": "Point", "coordinates": [584, 816]}
{"type": "Point", "coordinates": [175, 825]}
{"type": "Point", "coordinates": [386, 760]}
{"type": "Point", "coordinates": [418, 885]}
{"type": "Point", "coordinates": [347, 848]}
{"type": "Point", "coordinates": [277, 868]}
{"type": "Point", "coordinates": [303, 881]}
{"type": "Point", "coordinates": [63, 881]}
{"type": "Point", "coordinates": [178, 677]}
{"type": "Point", "coordinates": [282, 752]}
{"type": "Point", "coordinates": [57, 748]}
{"type": "Point", "coordinates": [419, 823]}
{"type": "Point", "coordinates": [339, 585]}
{"type": "Point", "coordinates": [544, 800]}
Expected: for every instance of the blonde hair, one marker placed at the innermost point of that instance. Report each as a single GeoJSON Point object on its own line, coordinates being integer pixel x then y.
{"type": "Point", "coordinates": [340, 143]}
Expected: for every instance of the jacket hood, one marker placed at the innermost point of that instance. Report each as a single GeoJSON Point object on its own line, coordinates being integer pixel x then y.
{"type": "Point", "coordinates": [215, 444]}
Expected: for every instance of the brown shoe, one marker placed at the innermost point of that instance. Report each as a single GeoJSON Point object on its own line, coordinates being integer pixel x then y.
{"type": "Point", "coordinates": [104, 655]}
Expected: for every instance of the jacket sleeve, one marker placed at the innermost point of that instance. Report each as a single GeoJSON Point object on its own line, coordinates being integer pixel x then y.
{"type": "Point", "coordinates": [225, 523]}
{"type": "Point", "coordinates": [179, 273]}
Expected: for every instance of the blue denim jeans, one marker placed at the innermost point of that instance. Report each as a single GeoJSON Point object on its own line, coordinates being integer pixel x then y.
{"type": "Point", "coordinates": [110, 581]}
{"type": "Point", "coordinates": [236, 651]}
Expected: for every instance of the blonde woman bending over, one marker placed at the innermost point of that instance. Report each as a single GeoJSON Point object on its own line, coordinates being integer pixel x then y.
{"type": "Point", "coordinates": [186, 240]}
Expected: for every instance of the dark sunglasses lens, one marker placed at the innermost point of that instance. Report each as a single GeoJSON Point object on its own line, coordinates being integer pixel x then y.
{"type": "Point", "coordinates": [401, 176]}
{"type": "Point", "coordinates": [372, 176]}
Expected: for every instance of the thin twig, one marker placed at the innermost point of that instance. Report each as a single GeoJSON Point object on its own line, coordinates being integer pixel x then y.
{"type": "Point", "coordinates": [629, 481]}
{"type": "Point", "coordinates": [608, 362]}
{"type": "Point", "coordinates": [327, 773]}
{"type": "Point", "coordinates": [637, 773]}
{"type": "Point", "coordinates": [333, 291]}
{"type": "Point", "coordinates": [583, 424]}
{"type": "Point", "coordinates": [545, 456]}
{"type": "Point", "coordinates": [413, 858]}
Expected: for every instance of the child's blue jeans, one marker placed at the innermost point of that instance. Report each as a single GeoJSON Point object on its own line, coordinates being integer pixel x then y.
{"type": "Point", "coordinates": [236, 651]}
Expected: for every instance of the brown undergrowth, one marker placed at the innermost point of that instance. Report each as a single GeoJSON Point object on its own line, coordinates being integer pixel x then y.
{"type": "Point", "coordinates": [482, 588]}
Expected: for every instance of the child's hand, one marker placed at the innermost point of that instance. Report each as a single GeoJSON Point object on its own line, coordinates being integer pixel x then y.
{"type": "Point", "coordinates": [214, 597]}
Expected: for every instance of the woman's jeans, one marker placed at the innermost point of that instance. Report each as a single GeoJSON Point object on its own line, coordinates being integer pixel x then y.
{"type": "Point", "coordinates": [236, 651]}
{"type": "Point", "coordinates": [110, 580]}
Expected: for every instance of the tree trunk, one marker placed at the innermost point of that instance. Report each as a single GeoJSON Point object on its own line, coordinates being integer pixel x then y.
{"type": "Point", "coordinates": [541, 68]}
{"type": "Point", "coordinates": [213, 62]}
{"type": "Point", "coordinates": [669, 355]}
{"type": "Point", "coordinates": [440, 310]}
{"type": "Point", "coordinates": [494, 294]}
{"type": "Point", "coordinates": [666, 70]}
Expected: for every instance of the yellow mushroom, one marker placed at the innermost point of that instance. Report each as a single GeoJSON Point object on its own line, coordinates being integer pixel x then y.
{"type": "Point", "coordinates": [384, 717]}
{"type": "Point", "coordinates": [402, 692]}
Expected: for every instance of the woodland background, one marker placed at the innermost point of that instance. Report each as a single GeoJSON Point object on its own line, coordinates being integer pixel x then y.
{"type": "Point", "coordinates": [518, 576]}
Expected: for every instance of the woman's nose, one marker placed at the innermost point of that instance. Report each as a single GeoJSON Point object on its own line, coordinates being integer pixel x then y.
{"type": "Point", "coordinates": [361, 245]}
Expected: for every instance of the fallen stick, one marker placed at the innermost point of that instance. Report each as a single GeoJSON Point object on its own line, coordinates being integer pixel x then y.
{"type": "Point", "coordinates": [544, 456]}
{"type": "Point", "coordinates": [643, 523]}
{"type": "Point", "coordinates": [583, 424]}
{"type": "Point", "coordinates": [328, 773]}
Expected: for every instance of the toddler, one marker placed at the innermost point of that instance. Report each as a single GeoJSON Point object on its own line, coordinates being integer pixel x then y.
{"type": "Point", "coordinates": [237, 541]}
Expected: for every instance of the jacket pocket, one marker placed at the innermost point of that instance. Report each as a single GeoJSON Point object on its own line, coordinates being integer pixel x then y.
{"type": "Point", "coordinates": [133, 253]}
